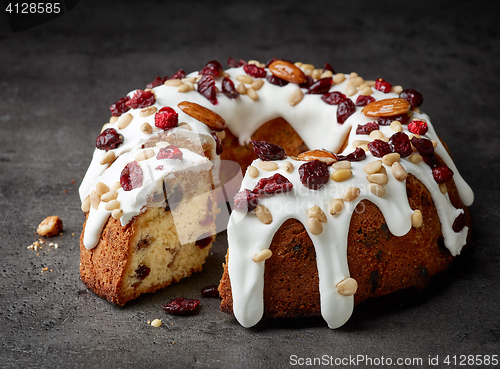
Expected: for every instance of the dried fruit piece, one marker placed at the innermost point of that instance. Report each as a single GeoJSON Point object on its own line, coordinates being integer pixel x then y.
{"type": "Point", "coordinates": [212, 68]}
{"type": "Point", "coordinates": [50, 226]}
{"type": "Point", "coordinates": [205, 239]}
{"type": "Point", "coordinates": [442, 174]}
{"type": "Point", "coordinates": [329, 67]}
{"type": "Point", "coordinates": [379, 148]}
{"type": "Point", "coordinates": [363, 100]}
{"type": "Point", "coordinates": [287, 71]}
{"type": "Point", "coordinates": [414, 97]}
{"type": "Point", "coordinates": [430, 160]}
{"type": "Point", "coordinates": [141, 99]}
{"type": "Point", "coordinates": [142, 272]}
{"type": "Point", "coordinates": [210, 291]}
{"type": "Point", "coordinates": [181, 306]}
{"type": "Point", "coordinates": [423, 145]}
{"type": "Point", "coordinates": [169, 152]}
{"type": "Point", "coordinates": [180, 74]}
{"type": "Point", "coordinates": [400, 143]}
{"type": "Point", "coordinates": [120, 107]}
{"type": "Point", "coordinates": [267, 151]}
{"type": "Point", "coordinates": [365, 129]}
{"type": "Point", "coordinates": [383, 85]}
{"type": "Point", "coordinates": [333, 98]}
{"type": "Point", "coordinates": [314, 174]}
{"type": "Point", "coordinates": [109, 139]}
{"type": "Point", "coordinates": [386, 108]}
{"type": "Point", "coordinates": [254, 71]}
{"type": "Point", "coordinates": [245, 201]}
{"type": "Point", "coordinates": [345, 109]}
{"type": "Point", "coordinates": [233, 63]}
{"type": "Point", "coordinates": [459, 223]}
{"type": "Point", "coordinates": [158, 81]}
{"type": "Point", "coordinates": [273, 185]}
{"type": "Point", "coordinates": [418, 127]}
{"type": "Point", "coordinates": [218, 143]}
{"type": "Point", "coordinates": [166, 118]}
{"type": "Point", "coordinates": [386, 121]}
{"type": "Point", "coordinates": [357, 155]}
{"type": "Point", "coordinates": [321, 86]}
{"type": "Point", "coordinates": [276, 80]}
{"type": "Point", "coordinates": [204, 115]}
{"type": "Point", "coordinates": [206, 87]}
{"type": "Point", "coordinates": [131, 176]}
{"type": "Point", "coordinates": [228, 88]}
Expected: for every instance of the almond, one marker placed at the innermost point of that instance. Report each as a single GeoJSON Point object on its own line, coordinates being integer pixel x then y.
{"type": "Point", "coordinates": [204, 115]}
{"type": "Point", "coordinates": [287, 71]}
{"type": "Point", "coordinates": [321, 155]}
{"type": "Point", "coordinates": [386, 108]}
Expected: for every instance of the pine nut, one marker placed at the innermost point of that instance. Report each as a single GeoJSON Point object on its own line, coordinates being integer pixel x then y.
{"type": "Point", "coordinates": [263, 214]}
{"type": "Point", "coordinates": [116, 186]}
{"type": "Point", "coordinates": [353, 75]}
{"type": "Point", "coordinates": [94, 199]}
{"type": "Point", "coordinates": [117, 213]}
{"type": "Point", "coordinates": [341, 175]}
{"type": "Point", "coordinates": [376, 134]}
{"type": "Point", "coordinates": [241, 89]}
{"type": "Point", "coordinates": [188, 80]}
{"type": "Point", "coordinates": [415, 158]}
{"type": "Point", "coordinates": [146, 112]}
{"type": "Point", "coordinates": [146, 128]}
{"type": "Point", "coordinates": [416, 219]}
{"type": "Point", "coordinates": [108, 196]}
{"type": "Point", "coordinates": [373, 167]}
{"type": "Point", "coordinates": [378, 178]}
{"type": "Point", "coordinates": [113, 119]}
{"type": "Point", "coordinates": [398, 171]}
{"type": "Point", "coordinates": [443, 188]}
{"type": "Point", "coordinates": [358, 81]}
{"type": "Point", "coordinates": [314, 226]}
{"type": "Point", "coordinates": [145, 155]}
{"type": "Point", "coordinates": [268, 166]}
{"type": "Point", "coordinates": [396, 126]}
{"type": "Point", "coordinates": [183, 88]}
{"type": "Point", "coordinates": [257, 84]}
{"type": "Point", "coordinates": [366, 91]}
{"type": "Point", "coordinates": [351, 193]}
{"type": "Point", "coordinates": [253, 171]}
{"type": "Point", "coordinates": [251, 93]}
{"type": "Point", "coordinates": [86, 205]}
{"type": "Point", "coordinates": [101, 188]}
{"type": "Point", "coordinates": [434, 143]}
{"type": "Point", "coordinates": [262, 255]}
{"type": "Point", "coordinates": [111, 205]}
{"type": "Point", "coordinates": [109, 157]}
{"type": "Point", "coordinates": [124, 121]}
{"type": "Point", "coordinates": [288, 167]}
{"type": "Point", "coordinates": [308, 66]}
{"type": "Point", "coordinates": [358, 143]}
{"type": "Point", "coordinates": [396, 89]}
{"type": "Point", "coordinates": [351, 90]}
{"type": "Point", "coordinates": [316, 73]}
{"type": "Point", "coordinates": [104, 127]}
{"type": "Point", "coordinates": [344, 164]}
{"type": "Point", "coordinates": [316, 212]}
{"type": "Point", "coordinates": [391, 158]}
{"type": "Point", "coordinates": [339, 78]}
{"type": "Point", "coordinates": [326, 74]}
{"type": "Point", "coordinates": [245, 78]}
{"type": "Point", "coordinates": [156, 323]}
{"type": "Point", "coordinates": [295, 97]}
{"type": "Point", "coordinates": [347, 287]}
{"type": "Point", "coordinates": [377, 189]}
{"type": "Point", "coordinates": [336, 206]}
{"type": "Point", "coordinates": [173, 82]}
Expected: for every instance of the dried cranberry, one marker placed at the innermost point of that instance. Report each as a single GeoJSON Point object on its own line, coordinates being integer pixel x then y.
{"type": "Point", "coordinates": [169, 152]}
{"type": "Point", "coordinates": [400, 143]}
{"type": "Point", "coordinates": [386, 121]}
{"type": "Point", "coordinates": [205, 239]}
{"type": "Point", "coordinates": [308, 83]}
{"type": "Point", "coordinates": [314, 174]}
{"type": "Point", "coordinates": [459, 223]}
{"type": "Point", "coordinates": [109, 139]}
{"type": "Point", "coordinates": [333, 98]}
{"type": "Point", "coordinates": [366, 129]}
{"type": "Point", "coordinates": [329, 67]}
{"type": "Point", "coordinates": [379, 148]}
{"type": "Point", "coordinates": [363, 100]}
{"type": "Point", "coordinates": [158, 81]}
{"type": "Point", "coordinates": [254, 71]}
{"type": "Point", "coordinates": [321, 86]}
{"type": "Point", "coordinates": [423, 145]}
{"type": "Point", "coordinates": [206, 87]}
{"type": "Point", "coordinates": [267, 151]}
{"type": "Point", "coordinates": [228, 88]}
{"type": "Point", "coordinates": [418, 127]}
{"type": "Point", "coordinates": [218, 144]}
{"type": "Point", "coordinates": [357, 155]}
{"type": "Point", "coordinates": [131, 176]}
{"type": "Point", "coordinates": [180, 74]}
{"type": "Point", "coordinates": [210, 291]}
{"type": "Point", "coordinates": [273, 185]}
{"type": "Point", "coordinates": [414, 97]}
{"type": "Point", "coordinates": [345, 109]}
{"type": "Point", "coordinates": [141, 99]}
{"type": "Point", "coordinates": [142, 272]}
{"type": "Point", "coordinates": [276, 80]}
{"type": "Point", "coordinates": [245, 201]}
{"type": "Point", "coordinates": [383, 85]}
{"type": "Point", "coordinates": [430, 160]}
{"type": "Point", "coordinates": [166, 118]}
{"type": "Point", "coordinates": [181, 306]}
{"type": "Point", "coordinates": [272, 60]}
{"type": "Point", "coordinates": [120, 107]}
{"type": "Point", "coordinates": [233, 63]}
{"type": "Point", "coordinates": [212, 68]}
{"type": "Point", "coordinates": [442, 174]}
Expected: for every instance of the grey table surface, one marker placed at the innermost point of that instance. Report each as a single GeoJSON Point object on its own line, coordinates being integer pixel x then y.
{"type": "Point", "coordinates": [57, 81]}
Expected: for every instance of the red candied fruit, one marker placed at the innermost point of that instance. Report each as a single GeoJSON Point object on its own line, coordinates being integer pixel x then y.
{"type": "Point", "coordinates": [245, 201]}
{"type": "Point", "coordinates": [120, 107]}
{"type": "Point", "coordinates": [333, 98]}
{"type": "Point", "coordinates": [423, 145]}
{"type": "Point", "coordinates": [276, 80]}
{"type": "Point", "coordinates": [386, 121]}
{"type": "Point", "coordinates": [109, 139]}
{"type": "Point", "coordinates": [379, 148]}
{"type": "Point", "coordinates": [212, 68]}
{"type": "Point", "coordinates": [228, 88]}
{"type": "Point", "coordinates": [233, 63]}
{"type": "Point", "coordinates": [180, 74]}
{"type": "Point", "coordinates": [414, 97]}
{"type": "Point", "coordinates": [267, 151]}
{"type": "Point", "coordinates": [345, 109]}
{"type": "Point", "coordinates": [431, 160]}
{"type": "Point", "coordinates": [273, 185]}
{"type": "Point", "coordinates": [218, 143]}
{"type": "Point", "coordinates": [308, 83]}
{"type": "Point", "coordinates": [254, 71]}
{"type": "Point", "coordinates": [418, 127]}
{"type": "Point", "coordinates": [314, 174]}
{"type": "Point", "coordinates": [357, 155]}
{"type": "Point", "coordinates": [329, 67]}
{"type": "Point", "coordinates": [383, 85]}
{"type": "Point", "coordinates": [206, 87]}
{"type": "Point", "coordinates": [181, 306]}
{"type": "Point", "coordinates": [210, 291]}
{"type": "Point", "coordinates": [363, 100]}
{"type": "Point", "coordinates": [141, 99]}
{"type": "Point", "coordinates": [169, 152]}
{"type": "Point", "coordinates": [166, 118]}
{"type": "Point", "coordinates": [158, 81]}
{"type": "Point", "coordinates": [366, 129]}
{"type": "Point", "coordinates": [459, 223]}
{"type": "Point", "coordinates": [321, 86]}
{"type": "Point", "coordinates": [131, 176]}
{"type": "Point", "coordinates": [442, 174]}
{"type": "Point", "coordinates": [400, 143]}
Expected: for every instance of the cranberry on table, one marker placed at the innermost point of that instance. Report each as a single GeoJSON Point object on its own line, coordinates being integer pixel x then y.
{"type": "Point", "coordinates": [181, 306]}
{"type": "Point", "coordinates": [210, 291]}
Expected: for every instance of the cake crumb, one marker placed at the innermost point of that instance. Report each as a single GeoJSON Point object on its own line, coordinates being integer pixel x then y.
{"type": "Point", "coordinates": [50, 226]}
{"type": "Point", "coordinates": [45, 269]}
{"type": "Point", "coordinates": [156, 323]}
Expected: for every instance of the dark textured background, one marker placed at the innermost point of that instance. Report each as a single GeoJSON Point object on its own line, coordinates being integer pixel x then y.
{"type": "Point", "coordinates": [56, 82]}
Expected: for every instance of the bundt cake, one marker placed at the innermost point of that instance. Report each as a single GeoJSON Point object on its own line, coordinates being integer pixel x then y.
{"type": "Point", "coordinates": [352, 194]}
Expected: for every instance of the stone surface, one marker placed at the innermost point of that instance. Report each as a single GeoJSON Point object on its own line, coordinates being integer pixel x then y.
{"type": "Point", "coordinates": [57, 81]}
